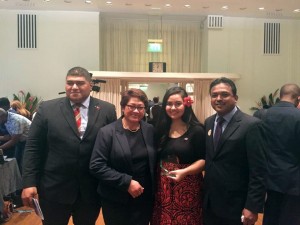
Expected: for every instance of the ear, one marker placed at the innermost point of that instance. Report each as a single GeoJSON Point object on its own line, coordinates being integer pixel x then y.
{"type": "Point", "coordinates": [236, 98]}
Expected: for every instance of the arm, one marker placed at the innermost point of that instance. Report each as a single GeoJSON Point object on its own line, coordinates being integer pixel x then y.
{"type": "Point", "coordinates": [5, 138]}
{"type": "Point", "coordinates": [12, 141]}
{"type": "Point", "coordinates": [33, 157]}
{"type": "Point", "coordinates": [257, 173]}
{"type": "Point", "coordinates": [101, 161]}
{"type": "Point", "coordinates": [196, 167]}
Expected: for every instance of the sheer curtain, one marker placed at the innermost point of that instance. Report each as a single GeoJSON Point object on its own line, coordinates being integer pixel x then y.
{"type": "Point", "coordinates": [110, 92]}
{"type": "Point", "coordinates": [124, 39]}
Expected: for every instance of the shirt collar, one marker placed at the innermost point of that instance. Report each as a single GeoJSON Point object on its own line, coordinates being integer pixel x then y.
{"type": "Point", "coordinates": [229, 115]}
{"type": "Point", "coordinates": [85, 103]}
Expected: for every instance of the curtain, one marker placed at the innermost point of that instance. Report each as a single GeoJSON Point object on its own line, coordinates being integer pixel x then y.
{"type": "Point", "coordinates": [110, 92]}
{"type": "Point", "coordinates": [123, 43]}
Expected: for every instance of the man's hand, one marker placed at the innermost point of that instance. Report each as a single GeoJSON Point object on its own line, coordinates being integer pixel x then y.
{"type": "Point", "coordinates": [135, 189]}
{"type": "Point", "coordinates": [28, 194]}
{"type": "Point", "coordinates": [249, 217]}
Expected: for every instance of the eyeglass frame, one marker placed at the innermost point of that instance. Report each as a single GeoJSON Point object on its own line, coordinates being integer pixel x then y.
{"type": "Point", "coordinates": [138, 108]}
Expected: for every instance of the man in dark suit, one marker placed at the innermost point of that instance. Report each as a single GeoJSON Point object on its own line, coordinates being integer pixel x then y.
{"type": "Point", "coordinates": [58, 150]}
{"type": "Point", "coordinates": [283, 153]}
{"type": "Point", "coordinates": [234, 182]}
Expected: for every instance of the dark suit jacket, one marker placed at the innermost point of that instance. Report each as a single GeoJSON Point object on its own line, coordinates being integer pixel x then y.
{"type": "Point", "coordinates": [235, 171]}
{"type": "Point", "coordinates": [283, 149]}
{"type": "Point", "coordinates": [56, 159]}
{"type": "Point", "coordinates": [111, 160]}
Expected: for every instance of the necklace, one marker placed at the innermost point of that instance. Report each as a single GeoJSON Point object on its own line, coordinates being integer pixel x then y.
{"type": "Point", "coordinates": [127, 128]}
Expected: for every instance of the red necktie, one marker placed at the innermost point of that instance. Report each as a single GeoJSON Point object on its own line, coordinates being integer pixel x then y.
{"type": "Point", "coordinates": [77, 117]}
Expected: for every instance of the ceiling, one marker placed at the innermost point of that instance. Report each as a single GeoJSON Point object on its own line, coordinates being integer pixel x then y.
{"type": "Point", "coordinates": [280, 9]}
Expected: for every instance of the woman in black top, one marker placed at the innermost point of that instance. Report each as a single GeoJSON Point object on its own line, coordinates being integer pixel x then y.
{"type": "Point", "coordinates": [178, 198]}
{"type": "Point", "coordinates": [123, 160]}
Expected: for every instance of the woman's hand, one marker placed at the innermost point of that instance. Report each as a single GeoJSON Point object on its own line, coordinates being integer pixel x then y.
{"type": "Point", "coordinates": [135, 189]}
{"type": "Point", "coordinates": [177, 175]}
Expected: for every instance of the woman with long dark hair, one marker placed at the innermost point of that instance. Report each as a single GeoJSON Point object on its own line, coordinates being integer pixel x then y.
{"type": "Point", "coordinates": [181, 148]}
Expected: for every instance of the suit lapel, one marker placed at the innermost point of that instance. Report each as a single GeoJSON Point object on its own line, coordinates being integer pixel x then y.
{"type": "Point", "coordinates": [68, 114]}
{"type": "Point", "coordinates": [123, 142]}
{"type": "Point", "coordinates": [231, 128]}
{"type": "Point", "coordinates": [93, 113]}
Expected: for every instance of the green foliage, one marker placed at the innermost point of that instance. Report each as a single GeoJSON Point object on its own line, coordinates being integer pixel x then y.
{"type": "Point", "coordinates": [29, 101]}
{"type": "Point", "coordinates": [267, 102]}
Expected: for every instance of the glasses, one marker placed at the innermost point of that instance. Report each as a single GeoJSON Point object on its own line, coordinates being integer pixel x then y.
{"type": "Point", "coordinates": [176, 104]}
{"type": "Point", "coordinates": [133, 107]}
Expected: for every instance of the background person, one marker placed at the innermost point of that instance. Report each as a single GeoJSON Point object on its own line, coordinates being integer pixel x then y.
{"type": "Point", "coordinates": [123, 161]}
{"type": "Point", "coordinates": [283, 152]}
{"type": "Point", "coordinates": [20, 109]}
{"type": "Point", "coordinates": [235, 170]}
{"type": "Point", "coordinates": [58, 150]}
{"type": "Point", "coordinates": [178, 198]}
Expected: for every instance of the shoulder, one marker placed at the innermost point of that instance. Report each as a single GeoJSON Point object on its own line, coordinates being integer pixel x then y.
{"type": "Point", "coordinates": [101, 102]}
{"type": "Point", "coordinates": [52, 102]}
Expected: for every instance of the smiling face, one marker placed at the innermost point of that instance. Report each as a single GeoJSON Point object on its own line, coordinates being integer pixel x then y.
{"type": "Point", "coordinates": [222, 98]}
{"type": "Point", "coordinates": [175, 108]}
{"type": "Point", "coordinates": [77, 88]}
{"type": "Point", "coordinates": [134, 110]}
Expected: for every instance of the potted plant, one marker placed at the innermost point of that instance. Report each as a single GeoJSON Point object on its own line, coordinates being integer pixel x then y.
{"type": "Point", "coordinates": [265, 102]}
{"type": "Point", "coordinates": [30, 102]}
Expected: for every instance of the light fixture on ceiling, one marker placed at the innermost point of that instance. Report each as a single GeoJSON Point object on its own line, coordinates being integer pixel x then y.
{"type": "Point", "coordinates": [167, 5]}
{"type": "Point", "coordinates": [187, 6]}
{"type": "Point", "coordinates": [261, 8]}
{"type": "Point", "coordinates": [88, 1]}
{"type": "Point", "coordinates": [108, 3]}
{"type": "Point", "coordinates": [296, 11]}
{"type": "Point", "coordinates": [225, 7]}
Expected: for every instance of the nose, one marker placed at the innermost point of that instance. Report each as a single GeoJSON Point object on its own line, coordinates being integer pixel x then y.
{"type": "Point", "coordinates": [74, 86]}
{"type": "Point", "coordinates": [173, 107]}
{"type": "Point", "coordinates": [135, 110]}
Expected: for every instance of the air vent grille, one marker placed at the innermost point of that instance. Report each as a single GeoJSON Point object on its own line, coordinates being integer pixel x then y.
{"type": "Point", "coordinates": [27, 31]}
{"type": "Point", "coordinates": [272, 38]}
{"type": "Point", "coordinates": [215, 21]}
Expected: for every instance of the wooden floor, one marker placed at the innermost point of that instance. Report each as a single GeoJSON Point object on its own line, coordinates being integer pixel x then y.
{"type": "Point", "coordinates": [32, 219]}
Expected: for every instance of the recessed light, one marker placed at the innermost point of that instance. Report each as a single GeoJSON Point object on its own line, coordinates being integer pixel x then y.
{"type": "Point", "coordinates": [88, 1]}
{"type": "Point", "coordinates": [67, 1]}
{"type": "Point", "coordinates": [128, 4]}
{"type": "Point", "coordinates": [225, 7]}
{"type": "Point", "coordinates": [108, 3]}
{"type": "Point", "coordinates": [243, 8]}
{"type": "Point", "coordinates": [156, 8]}
{"type": "Point", "coordinates": [205, 7]}
{"type": "Point", "coordinates": [261, 8]}
{"type": "Point", "coordinates": [148, 5]}
{"type": "Point", "coordinates": [167, 5]}
{"type": "Point", "coordinates": [187, 6]}
{"type": "Point", "coordinates": [296, 11]}
{"type": "Point", "coordinates": [278, 10]}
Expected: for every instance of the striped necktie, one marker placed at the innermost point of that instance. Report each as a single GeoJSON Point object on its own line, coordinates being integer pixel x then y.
{"type": "Point", "coordinates": [77, 117]}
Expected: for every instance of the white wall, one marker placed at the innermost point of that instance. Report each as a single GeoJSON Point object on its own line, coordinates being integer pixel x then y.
{"type": "Point", "coordinates": [64, 40]}
{"type": "Point", "coordinates": [238, 47]}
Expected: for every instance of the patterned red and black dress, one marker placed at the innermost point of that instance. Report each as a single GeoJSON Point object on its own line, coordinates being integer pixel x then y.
{"type": "Point", "coordinates": [180, 203]}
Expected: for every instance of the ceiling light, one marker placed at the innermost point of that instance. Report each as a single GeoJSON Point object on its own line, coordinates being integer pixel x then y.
{"type": "Point", "coordinates": [148, 5]}
{"type": "Point", "coordinates": [154, 8]}
{"type": "Point", "coordinates": [205, 7]}
{"type": "Point", "coordinates": [278, 10]}
{"type": "Point", "coordinates": [243, 8]}
{"type": "Point", "coordinates": [167, 5]}
{"type": "Point", "coordinates": [225, 7]}
{"type": "Point", "coordinates": [187, 6]}
{"type": "Point", "coordinates": [128, 4]}
{"type": "Point", "coordinates": [67, 1]}
{"type": "Point", "coordinates": [296, 11]}
{"type": "Point", "coordinates": [261, 8]}
{"type": "Point", "coordinates": [108, 3]}
{"type": "Point", "coordinates": [88, 1]}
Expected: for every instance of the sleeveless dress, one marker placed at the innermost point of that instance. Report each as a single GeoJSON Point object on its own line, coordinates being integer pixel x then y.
{"type": "Point", "coordinates": [180, 203]}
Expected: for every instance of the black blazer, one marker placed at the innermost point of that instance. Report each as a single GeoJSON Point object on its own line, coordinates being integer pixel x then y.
{"type": "Point", "coordinates": [235, 172]}
{"type": "Point", "coordinates": [111, 161]}
{"type": "Point", "coordinates": [283, 149]}
{"type": "Point", "coordinates": [56, 159]}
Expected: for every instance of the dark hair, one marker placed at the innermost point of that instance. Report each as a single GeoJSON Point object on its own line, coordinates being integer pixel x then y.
{"type": "Point", "coordinates": [133, 93]}
{"type": "Point", "coordinates": [156, 99]}
{"type": "Point", "coordinates": [80, 72]}
{"type": "Point", "coordinates": [4, 103]}
{"type": "Point", "coordinates": [224, 80]}
{"type": "Point", "coordinates": [164, 122]}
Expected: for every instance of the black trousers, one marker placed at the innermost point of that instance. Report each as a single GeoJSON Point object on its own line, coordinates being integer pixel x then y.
{"type": "Point", "coordinates": [59, 214]}
{"type": "Point", "coordinates": [210, 218]}
{"type": "Point", "coordinates": [281, 209]}
{"type": "Point", "coordinates": [132, 213]}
